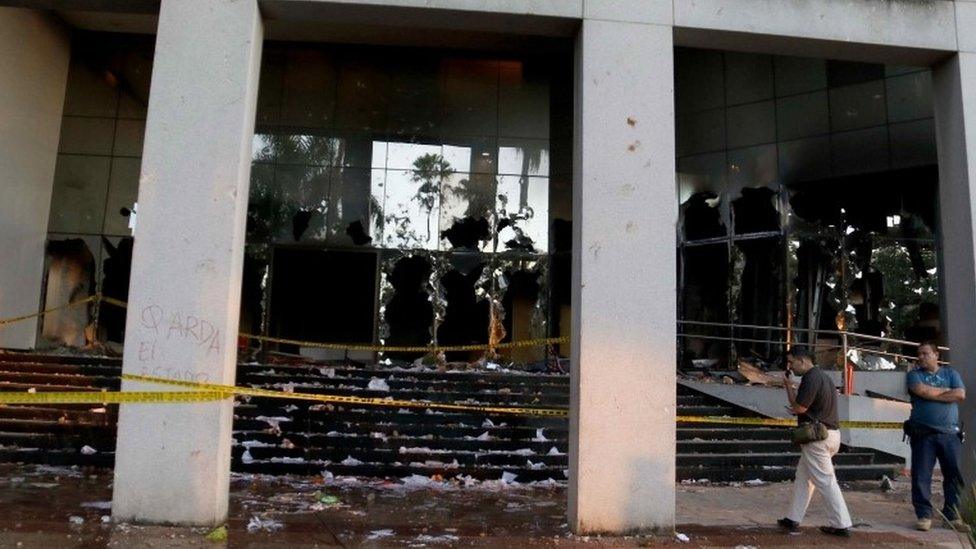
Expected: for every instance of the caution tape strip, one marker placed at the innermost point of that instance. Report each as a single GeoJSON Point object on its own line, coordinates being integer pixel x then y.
{"type": "Point", "coordinates": [336, 399]}
{"type": "Point", "coordinates": [773, 422]}
{"type": "Point", "coordinates": [202, 392]}
{"type": "Point", "coordinates": [408, 349]}
{"type": "Point", "coordinates": [110, 397]}
{"type": "Point", "coordinates": [89, 299]}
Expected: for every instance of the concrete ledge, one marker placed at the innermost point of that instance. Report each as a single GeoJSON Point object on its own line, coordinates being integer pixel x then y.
{"type": "Point", "coordinates": [903, 23]}
{"type": "Point", "coordinates": [554, 8]}
{"type": "Point", "coordinates": [771, 402]}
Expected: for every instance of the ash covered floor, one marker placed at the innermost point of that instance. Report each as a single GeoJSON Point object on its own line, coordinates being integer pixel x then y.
{"type": "Point", "coordinates": [69, 507]}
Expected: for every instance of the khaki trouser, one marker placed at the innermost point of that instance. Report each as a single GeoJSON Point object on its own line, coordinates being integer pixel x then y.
{"type": "Point", "coordinates": [815, 471]}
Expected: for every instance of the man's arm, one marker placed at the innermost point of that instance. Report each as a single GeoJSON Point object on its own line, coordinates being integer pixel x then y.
{"type": "Point", "coordinates": [937, 394]}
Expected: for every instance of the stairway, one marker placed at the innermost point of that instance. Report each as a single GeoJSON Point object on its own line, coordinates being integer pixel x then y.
{"type": "Point", "coordinates": [57, 434]}
{"type": "Point", "coordinates": [720, 452]}
{"type": "Point", "coordinates": [277, 436]}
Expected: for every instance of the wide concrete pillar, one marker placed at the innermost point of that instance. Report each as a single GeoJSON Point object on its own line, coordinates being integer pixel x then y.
{"type": "Point", "coordinates": [173, 460]}
{"type": "Point", "coordinates": [34, 55]}
{"type": "Point", "coordinates": [954, 88]}
{"type": "Point", "coordinates": [622, 418]}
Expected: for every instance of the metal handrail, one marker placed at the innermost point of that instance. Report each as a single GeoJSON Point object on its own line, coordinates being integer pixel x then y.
{"type": "Point", "coordinates": [844, 346]}
{"type": "Point", "coordinates": [805, 330]}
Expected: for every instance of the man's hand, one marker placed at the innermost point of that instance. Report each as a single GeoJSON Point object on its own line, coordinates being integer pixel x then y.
{"type": "Point", "coordinates": [794, 408]}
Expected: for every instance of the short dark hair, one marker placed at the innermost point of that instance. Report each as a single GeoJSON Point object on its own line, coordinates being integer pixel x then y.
{"type": "Point", "coordinates": [800, 353]}
{"type": "Point", "coordinates": [931, 344]}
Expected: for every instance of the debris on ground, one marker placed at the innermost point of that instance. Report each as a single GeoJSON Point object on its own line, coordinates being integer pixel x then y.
{"type": "Point", "coordinates": [757, 376]}
{"type": "Point", "coordinates": [257, 524]}
{"type": "Point", "coordinates": [683, 538]}
{"type": "Point", "coordinates": [377, 384]}
{"type": "Point", "coordinates": [379, 534]}
{"type": "Point", "coordinates": [218, 534]}
{"type": "Point", "coordinates": [458, 511]}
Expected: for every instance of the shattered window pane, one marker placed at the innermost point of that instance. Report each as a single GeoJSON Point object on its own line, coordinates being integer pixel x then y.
{"type": "Point", "coordinates": [410, 205]}
{"type": "Point", "coordinates": [350, 207]}
{"type": "Point", "coordinates": [523, 157]}
{"type": "Point", "coordinates": [757, 296]}
{"type": "Point", "coordinates": [705, 274]}
{"type": "Point", "coordinates": [468, 211]}
{"type": "Point", "coordinates": [304, 195]}
{"type": "Point", "coordinates": [908, 308]}
{"type": "Point", "coordinates": [704, 212]}
{"type": "Point", "coordinates": [522, 209]}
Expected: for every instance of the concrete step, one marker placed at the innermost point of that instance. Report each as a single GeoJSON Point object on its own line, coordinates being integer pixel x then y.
{"type": "Point", "coordinates": [289, 436]}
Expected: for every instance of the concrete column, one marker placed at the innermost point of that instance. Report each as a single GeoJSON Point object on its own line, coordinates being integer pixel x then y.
{"type": "Point", "coordinates": [954, 89]}
{"type": "Point", "coordinates": [173, 460]}
{"type": "Point", "coordinates": [34, 55]}
{"type": "Point", "coordinates": [622, 418]}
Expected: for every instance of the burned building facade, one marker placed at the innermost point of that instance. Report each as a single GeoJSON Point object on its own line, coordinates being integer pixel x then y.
{"type": "Point", "coordinates": [398, 197]}
{"type": "Point", "coordinates": [423, 197]}
{"type": "Point", "coordinates": [666, 182]}
{"type": "Point", "coordinates": [808, 206]}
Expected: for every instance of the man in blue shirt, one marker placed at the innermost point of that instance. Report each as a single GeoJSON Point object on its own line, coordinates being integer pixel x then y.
{"type": "Point", "coordinates": [934, 434]}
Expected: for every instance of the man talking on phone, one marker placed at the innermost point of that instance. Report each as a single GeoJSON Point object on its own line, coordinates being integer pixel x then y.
{"type": "Point", "coordinates": [815, 405]}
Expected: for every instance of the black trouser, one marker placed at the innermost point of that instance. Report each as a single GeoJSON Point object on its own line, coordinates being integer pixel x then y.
{"type": "Point", "coordinates": [926, 449]}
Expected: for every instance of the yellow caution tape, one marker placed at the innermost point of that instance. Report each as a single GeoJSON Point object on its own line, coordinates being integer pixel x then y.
{"type": "Point", "coordinates": [336, 399]}
{"type": "Point", "coordinates": [110, 397]}
{"type": "Point", "coordinates": [408, 349]}
{"type": "Point", "coordinates": [89, 299]}
{"type": "Point", "coordinates": [772, 422]}
{"type": "Point", "coordinates": [203, 392]}
{"type": "Point", "coordinates": [113, 301]}
{"type": "Point", "coordinates": [209, 392]}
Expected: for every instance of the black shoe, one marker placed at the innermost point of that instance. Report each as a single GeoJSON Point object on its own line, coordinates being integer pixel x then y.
{"type": "Point", "coordinates": [789, 525]}
{"type": "Point", "coordinates": [840, 532]}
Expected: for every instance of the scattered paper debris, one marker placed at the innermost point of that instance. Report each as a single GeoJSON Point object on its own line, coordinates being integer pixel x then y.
{"type": "Point", "coordinates": [103, 505]}
{"type": "Point", "coordinates": [755, 482]}
{"type": "Point", "coordinates": [508, 478]}
{"type": "Point", "coordinates": [682, 537]}
{"type": "Point", "coordinates": [88, 450]}
{"type": "Point", "coordinates": [75, 519]}
{"type": "Point", "coordinates": [444, 538]}
{"type": "Point", "coordinates": [379, 534]}
{"type": "Point", "coordinates": [377, 384]}
{"type": "Point", "coordinates": [351, 461]}
{"type": "Point", "coordinates": [257, 524]}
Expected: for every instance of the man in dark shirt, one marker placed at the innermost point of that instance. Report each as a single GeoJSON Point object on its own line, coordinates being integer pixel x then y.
{"type": "Point", "coordinates": [935, 392]}
{"type": "Point", "coordinates": [815, 401]}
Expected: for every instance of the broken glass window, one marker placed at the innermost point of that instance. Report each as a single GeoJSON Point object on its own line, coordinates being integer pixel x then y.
{"type": "Point", "coordinates": [704, 212]}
